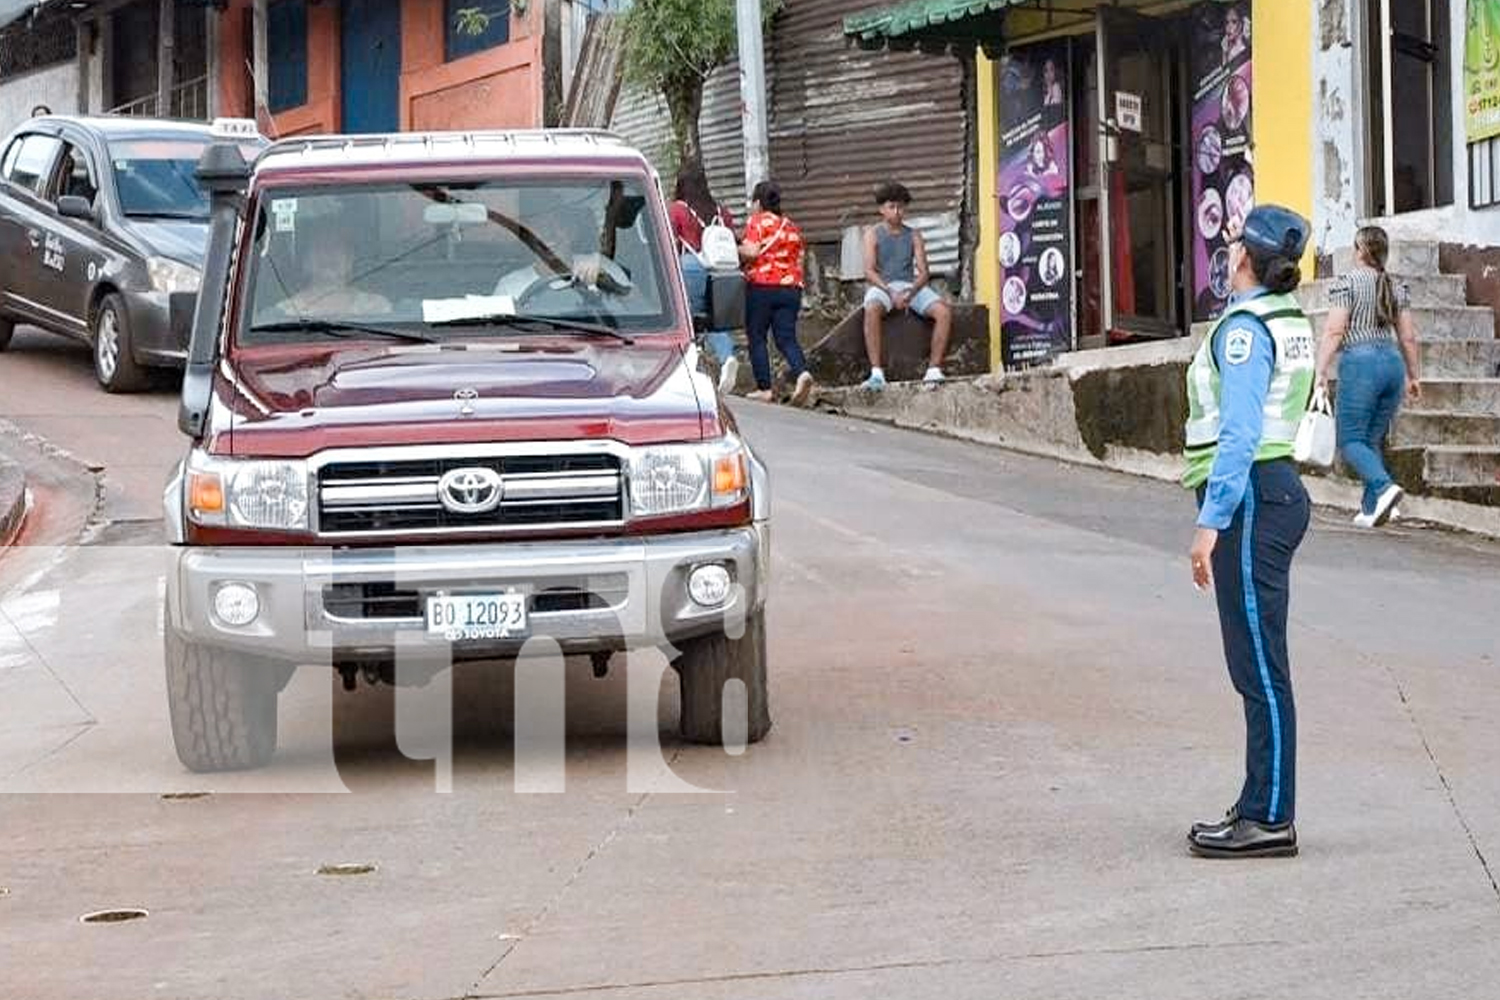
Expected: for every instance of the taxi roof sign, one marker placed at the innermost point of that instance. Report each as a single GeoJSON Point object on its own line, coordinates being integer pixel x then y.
{"type": "Point", "coordinates": [235, 128]}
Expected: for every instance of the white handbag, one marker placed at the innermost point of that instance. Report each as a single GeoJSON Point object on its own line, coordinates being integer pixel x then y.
{"type": "Point", "coordinates": [1317, 435]}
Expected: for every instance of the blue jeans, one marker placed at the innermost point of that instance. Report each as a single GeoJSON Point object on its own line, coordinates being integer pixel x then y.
{"type": "Point", "coordinates": [720, 342]}
{"type": "Point", "coordinates": [1372, 382]}
{"type": "Point", "coordinates": [773, 310]}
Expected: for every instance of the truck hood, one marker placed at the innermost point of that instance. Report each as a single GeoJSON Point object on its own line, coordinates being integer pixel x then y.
{"type": "Point", "coordinates": [293, 402]}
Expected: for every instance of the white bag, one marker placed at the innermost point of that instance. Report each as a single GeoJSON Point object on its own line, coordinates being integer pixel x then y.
{"type": "Point", "coordinates": [1317, 435]}
{"type": "Point", "coordinates": [721, 251]}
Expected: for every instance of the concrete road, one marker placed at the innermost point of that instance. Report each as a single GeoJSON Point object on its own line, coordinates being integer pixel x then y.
{"type": "Point", "coordinates": [998, 704]}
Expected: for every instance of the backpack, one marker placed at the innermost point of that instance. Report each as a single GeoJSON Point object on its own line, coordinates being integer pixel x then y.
{"type": "Point", "coordinates": [721, 251]}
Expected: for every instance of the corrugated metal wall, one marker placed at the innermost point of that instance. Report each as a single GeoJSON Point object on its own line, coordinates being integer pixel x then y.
{"type": "Point", "coordinates": [841, 119]}
{"type": "Point", "coordinates": [844, 119]}
{"type": "Point", "coordinates": [641, 116]}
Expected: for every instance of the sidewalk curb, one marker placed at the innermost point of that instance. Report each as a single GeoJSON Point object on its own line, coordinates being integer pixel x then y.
{"type": "Point", "coordinates": [14, 438]}
{"type": "Point", "coordinates": [973, 410]}
{"type": "Point", "coordinates": [13, 501]}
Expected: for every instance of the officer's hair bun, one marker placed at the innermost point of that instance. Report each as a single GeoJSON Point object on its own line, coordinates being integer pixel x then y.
{"type": "Point", "coordinates": [1278, 274]}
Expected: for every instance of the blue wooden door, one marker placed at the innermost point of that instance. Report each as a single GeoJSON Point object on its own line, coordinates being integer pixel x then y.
{"type": "Point", "coordinates": [370, 80]}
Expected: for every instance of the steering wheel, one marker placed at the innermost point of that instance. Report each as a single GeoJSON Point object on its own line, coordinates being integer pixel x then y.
{"type": "Point", "coordinates": [612, 279]}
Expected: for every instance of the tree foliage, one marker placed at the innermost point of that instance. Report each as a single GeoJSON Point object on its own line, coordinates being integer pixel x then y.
{"type": "Point", "coordinates": [672, 46]}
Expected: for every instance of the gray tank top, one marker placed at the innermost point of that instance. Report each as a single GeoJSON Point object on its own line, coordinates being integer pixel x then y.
{"type": "Point", "coordinates": [896, 253]}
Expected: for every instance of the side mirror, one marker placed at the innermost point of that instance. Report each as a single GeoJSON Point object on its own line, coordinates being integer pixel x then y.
{"type": "Point", "coordinates": [72, 206]}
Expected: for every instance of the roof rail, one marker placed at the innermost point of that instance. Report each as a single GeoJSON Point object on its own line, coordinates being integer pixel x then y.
{"type": "Point", "coordinates": [310, 143]}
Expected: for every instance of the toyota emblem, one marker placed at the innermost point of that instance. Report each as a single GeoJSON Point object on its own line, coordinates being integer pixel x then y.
{"type": "Point", "coordinates": [475, 490]}
{"type": "Point", "coordinates": [465, 398]}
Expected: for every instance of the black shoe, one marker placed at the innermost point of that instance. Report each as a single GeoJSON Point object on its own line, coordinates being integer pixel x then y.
{"type": "Point", "coordinates": [1217, 825]}
{"type": "Point", "coordinates": [1245, 838]}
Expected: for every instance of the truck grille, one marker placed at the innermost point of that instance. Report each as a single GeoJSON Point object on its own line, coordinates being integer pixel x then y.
{"type": "Point", "coordinates": [537, 492]}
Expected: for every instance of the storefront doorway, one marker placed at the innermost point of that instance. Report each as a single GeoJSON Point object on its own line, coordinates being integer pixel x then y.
{"type": "Point", "coordinates": [1158, 179]}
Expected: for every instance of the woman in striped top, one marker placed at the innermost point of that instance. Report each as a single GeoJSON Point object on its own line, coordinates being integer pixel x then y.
{"type": "Point", "coordinates": [1370, 325]}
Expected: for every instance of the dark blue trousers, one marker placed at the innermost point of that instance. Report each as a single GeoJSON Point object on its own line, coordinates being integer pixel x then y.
{"type": "Point", "coordinates": [773, 311]}
{"type": "Point", "coordinates": [1252, 568]}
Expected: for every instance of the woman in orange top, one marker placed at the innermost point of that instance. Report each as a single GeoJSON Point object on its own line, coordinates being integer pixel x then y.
{"type": "Point", "coordinates": [772, 251]}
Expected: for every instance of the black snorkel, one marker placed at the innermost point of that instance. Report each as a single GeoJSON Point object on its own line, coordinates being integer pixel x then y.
{"type": "Point", "coordinates": [225, 175]}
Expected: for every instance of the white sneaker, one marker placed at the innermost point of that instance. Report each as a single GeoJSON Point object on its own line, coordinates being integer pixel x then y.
{"type": "Point", "coordinates": [803, 390]}
{"type": "Point", "coordinates": [875, 383]}
{"type": "Point", "coordinates": [1363, 520]}
{"type": "Point", "coordinates": [934, 378]}
{"type": "Point", "coordinates": [1387, 501]}
{"type": "Point", "coordinates": [729, 375]}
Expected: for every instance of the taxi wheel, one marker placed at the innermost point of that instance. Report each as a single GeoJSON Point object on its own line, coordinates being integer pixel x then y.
{"type": "Point", "coordinates": [7, 330]}
{"type": "Point", "coordinates": [114, 358]}
{"type": "Point", "coordinates": [705, 670]}
{"type": "Point", "coordinates": [222, 704]}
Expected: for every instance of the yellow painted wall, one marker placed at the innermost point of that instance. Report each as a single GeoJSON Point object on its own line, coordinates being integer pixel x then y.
{"type": "Point", "coordinates": [1282, 46]}
{"type": "Point", "coordinates": [987, 255]}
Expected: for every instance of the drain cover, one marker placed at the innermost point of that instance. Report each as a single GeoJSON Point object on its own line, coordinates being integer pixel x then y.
{"type": "Point", "coordinates": [185, 796]}
{"type": "Point", "coordinates": [347, 869]}
{"type": "Point", "coordinates": [114, 916]}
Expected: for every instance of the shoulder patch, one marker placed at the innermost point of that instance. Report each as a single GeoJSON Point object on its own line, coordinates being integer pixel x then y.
{"type": "Point", "coordinates": [1238, 346]}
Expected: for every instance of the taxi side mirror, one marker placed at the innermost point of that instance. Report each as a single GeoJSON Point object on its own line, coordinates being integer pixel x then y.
{"type": "Point", "coordinates": [72, 206]}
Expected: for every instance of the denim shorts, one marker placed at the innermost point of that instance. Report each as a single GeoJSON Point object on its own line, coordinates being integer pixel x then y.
{"type": "Point", "coordinates": [921, 303]}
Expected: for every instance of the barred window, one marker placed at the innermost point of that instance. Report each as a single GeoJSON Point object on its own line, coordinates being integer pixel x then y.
{"type": "Point", "coordinates": [1484, 173]}
{"type": "Point", "coordinates": [26, 46]}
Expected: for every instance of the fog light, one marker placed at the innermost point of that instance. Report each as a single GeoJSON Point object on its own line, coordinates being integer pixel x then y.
{"type": "Point", "coordinates": [709, 586]}
{"type": "Point", "coordinates": [236, 604]}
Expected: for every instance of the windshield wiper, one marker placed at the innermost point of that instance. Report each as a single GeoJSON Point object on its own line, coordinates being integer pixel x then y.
{"type": "Point", "coordinates": [538, 323]}
{"type": "Point", "coordinates": [190, 216]}
{"type": "Point", "coordinates": [334, 328]}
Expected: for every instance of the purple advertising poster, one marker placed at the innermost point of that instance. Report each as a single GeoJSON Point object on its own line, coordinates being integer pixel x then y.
{"type": "Point", "coordinates": [1223, 172]}
{"type": "Point", "coordinates": [1036, 232]}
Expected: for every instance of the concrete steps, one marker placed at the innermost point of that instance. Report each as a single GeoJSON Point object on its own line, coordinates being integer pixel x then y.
{"type": "Point", "coordinates": [1446, 467]}
{"type": "Point", "coordinates": [1454, 359]}
{"type": "Point", "coordinates": [1444, 323]}
{"type": "Point", "coordinates": [1413, 258]}
{"type": "Point", "coordinates": [1461, 395]}
{"type": "Point", "coordinates": [1443, 428]}
{"type": "Point", "coordinates": [1426, 291]}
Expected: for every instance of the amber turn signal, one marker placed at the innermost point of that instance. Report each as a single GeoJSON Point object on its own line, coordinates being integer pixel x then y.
{"type": "Point", "coordinates": [729, 474]}
{"type": "Point", "coordinates": [205, 493]}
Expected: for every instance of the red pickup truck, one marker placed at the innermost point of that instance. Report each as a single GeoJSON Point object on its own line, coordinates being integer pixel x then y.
{"type": "Point", "coordinates": [442, 396]}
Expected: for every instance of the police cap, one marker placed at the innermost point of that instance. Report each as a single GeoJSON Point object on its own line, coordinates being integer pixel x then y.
{"type": "Point", "coordinates": [1272, 229]}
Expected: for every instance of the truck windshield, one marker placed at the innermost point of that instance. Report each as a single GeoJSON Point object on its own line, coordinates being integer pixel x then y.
{"type": "Point", "coordinates": [459, 259]}
{"type": "Point", "coordinates": [155, 178]}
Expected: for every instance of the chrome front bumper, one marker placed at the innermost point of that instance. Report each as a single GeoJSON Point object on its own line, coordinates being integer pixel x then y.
{"type": "Point", "coordinates": [604, 594]}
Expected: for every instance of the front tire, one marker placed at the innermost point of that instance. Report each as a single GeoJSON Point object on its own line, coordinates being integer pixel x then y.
{"type": "Point", "coordinates": [222, 704]}
{"type": "Point", "coordinates": [7, 331]}
{"type": "Point", "coordinates": [704, 669]}
{"type": "Point", "coordinates": [114, 349]}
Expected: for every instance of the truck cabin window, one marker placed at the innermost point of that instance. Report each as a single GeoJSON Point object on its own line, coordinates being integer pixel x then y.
{"type": "Point", "coordinates": [473, 259]}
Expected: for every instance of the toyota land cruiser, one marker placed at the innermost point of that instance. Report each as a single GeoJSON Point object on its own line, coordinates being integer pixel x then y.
{"type": "Point", "coordinates": [442, 398]}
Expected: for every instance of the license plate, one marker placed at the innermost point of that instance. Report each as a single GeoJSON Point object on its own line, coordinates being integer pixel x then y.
{"type": "Point", "coordinates": [466, 617]}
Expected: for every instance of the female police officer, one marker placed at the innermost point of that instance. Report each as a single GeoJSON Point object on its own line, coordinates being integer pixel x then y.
{"type": "Point", "coordinates": [1248, 388]}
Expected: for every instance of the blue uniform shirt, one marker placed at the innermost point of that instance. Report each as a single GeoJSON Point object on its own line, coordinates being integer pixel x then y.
{"type": "Point", "coordinates": [1243, 387]}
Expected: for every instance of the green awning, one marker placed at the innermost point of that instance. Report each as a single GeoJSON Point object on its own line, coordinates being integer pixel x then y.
{"type": "Point", "coordinates": [916, 21]}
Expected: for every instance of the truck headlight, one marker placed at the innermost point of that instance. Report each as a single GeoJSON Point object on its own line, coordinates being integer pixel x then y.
{"type": "Point", "coordinates": [684, 478]}
{"type": "Point", "coordinates": [172, 276]}
{"type": "Point", "coordinates": [247, 493]}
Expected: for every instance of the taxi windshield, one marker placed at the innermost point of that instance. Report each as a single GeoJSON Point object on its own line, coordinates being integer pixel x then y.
{"type": "Point", "coordinates": [484, 257]}
{"type": "Point", "coordinates": [155, 178]}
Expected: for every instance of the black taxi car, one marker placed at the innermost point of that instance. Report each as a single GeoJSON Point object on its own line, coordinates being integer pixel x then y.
{"type": "Point", "coordinates": [103, 228]}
